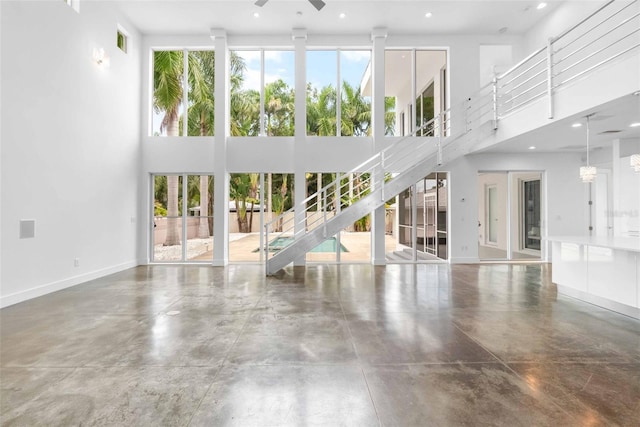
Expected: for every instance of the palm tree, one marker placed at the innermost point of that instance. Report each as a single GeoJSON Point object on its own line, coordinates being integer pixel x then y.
{"type": "Point", "coordinates": [355, 112]}
{"type": "Point", "coordinates": [321, 111]}
{"type": "Point", "coordinates": [253, 195]}
{"type": "Point", "coordinates": [244, 105]}
{"type": "Point", "coordinates": [279, 202]}
{"type": "Point", "coordinates": [201, 94]}
{"type": "Point", "coordinates": [389, 115]}
{"type": "Point", "coordinates": [242, 187]}
{"type": "Point", "coordinates": [279, 108]}
{"type": "Point", "coordinates": [167, 97]}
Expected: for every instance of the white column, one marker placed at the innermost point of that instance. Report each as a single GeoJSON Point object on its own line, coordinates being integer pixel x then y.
{"type": "Point", "coordinates": [221, 127]}
{"type": "Point", "coordinates": [378, 38]}
{"type": "Point", "coordinates": [299, 36]}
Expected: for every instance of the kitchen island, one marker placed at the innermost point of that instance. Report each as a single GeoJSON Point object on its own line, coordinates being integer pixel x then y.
{"type": "Point", "coordinates": [604, 271]}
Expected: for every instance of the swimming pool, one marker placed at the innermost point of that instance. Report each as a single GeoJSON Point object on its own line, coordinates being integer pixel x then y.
{"type": "Point", "coordinates": [328, 245]}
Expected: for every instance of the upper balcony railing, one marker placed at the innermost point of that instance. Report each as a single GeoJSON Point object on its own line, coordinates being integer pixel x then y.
{"type": "Point", "coordinates": [609, 33]}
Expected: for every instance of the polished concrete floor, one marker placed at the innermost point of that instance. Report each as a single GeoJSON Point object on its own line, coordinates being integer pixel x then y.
{"type": "Point", "coordinates": [406, 345]}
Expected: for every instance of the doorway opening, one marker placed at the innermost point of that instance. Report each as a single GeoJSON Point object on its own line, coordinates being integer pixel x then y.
{"type": "Point", "coordinates": [510, 215]}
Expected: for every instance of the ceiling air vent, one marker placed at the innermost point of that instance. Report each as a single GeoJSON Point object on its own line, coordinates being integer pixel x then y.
{"type": "Point", "coordinates": [572, 147]}
{"type": "Point", "coordinates": [607, 132]}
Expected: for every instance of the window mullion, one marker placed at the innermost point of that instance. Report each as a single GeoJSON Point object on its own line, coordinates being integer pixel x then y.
{"type": "Point", "coordinates": [414, 110]}
{"type": "Point", "coordinates": [185, 218]}
{"type": "Point", "coordinates": [185, 91]}
{"type": "Point", "coordinates": [262, 96]}
{"type": "Point", "coordinates": [338, 97]}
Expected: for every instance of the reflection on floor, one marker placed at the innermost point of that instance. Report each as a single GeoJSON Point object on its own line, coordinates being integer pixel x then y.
{"type": "Point", "coordinates": [490, 252]}
{"type": "Point", "coordinates": [429, 344]}
{"type": "Point", "coordinates": [406, 255]}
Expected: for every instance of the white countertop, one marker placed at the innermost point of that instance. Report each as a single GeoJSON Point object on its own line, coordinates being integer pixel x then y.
{"type": "Point", "coordinates": [623, 243]}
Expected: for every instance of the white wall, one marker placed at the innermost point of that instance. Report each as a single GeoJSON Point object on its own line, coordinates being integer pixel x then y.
{"type": "Point", "coordinates": [564, 195]}
{"type": "Point", "coordinates": [566, 15]}
{"type": "Point", "coordinates": [70, 146]}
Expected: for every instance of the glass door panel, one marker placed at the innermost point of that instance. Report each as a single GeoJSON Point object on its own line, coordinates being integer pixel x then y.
{"type": "Point", "coordinates": [167, 218]}
{"type": "Point", "coordinates": [182, 212]}
{"type": "Point", "coordinates": [492, 214]}
{"type": "Point", "coordinates": [531, 210]}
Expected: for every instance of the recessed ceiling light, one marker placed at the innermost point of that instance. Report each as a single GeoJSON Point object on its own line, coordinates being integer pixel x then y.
{"type": "Point", "coordinates": [342, 15]}
{"type": "Point", "coordinates": [541, 6]}
{"type": "Point", "coordinates": [256, 15]}
{"type": "Point", "coordinates": [428, 15]}
{"type": "Point", "coordinates": [634, 125]}
{"type": "Point", "coordinates": [576, 125]}
{"type": "Point", "coordinates": [533, 147]}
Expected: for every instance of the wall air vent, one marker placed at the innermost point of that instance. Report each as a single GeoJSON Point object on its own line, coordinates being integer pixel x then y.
{"type": "Point", "coordinates": [607, 132]}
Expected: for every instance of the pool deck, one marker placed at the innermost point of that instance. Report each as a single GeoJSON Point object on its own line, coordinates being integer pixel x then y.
{"type": "Point", "coordinates": [358, 246]}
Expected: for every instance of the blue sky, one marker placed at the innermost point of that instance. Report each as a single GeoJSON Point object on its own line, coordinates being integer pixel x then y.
{"type": "Point", "coordinates": [321, 67]}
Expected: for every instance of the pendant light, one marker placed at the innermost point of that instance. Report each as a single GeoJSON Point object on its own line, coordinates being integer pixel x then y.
{"type": "Point", "coordinates": [588, 172]}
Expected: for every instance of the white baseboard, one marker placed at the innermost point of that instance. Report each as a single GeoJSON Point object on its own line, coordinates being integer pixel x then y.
{"type": "Point", "coordinates": [627, 310]}
{"type": "Point", "coordinates": [38, 291]}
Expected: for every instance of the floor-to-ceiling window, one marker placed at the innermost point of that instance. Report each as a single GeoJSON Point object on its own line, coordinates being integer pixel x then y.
{"type": "Point", "coordinates": [262, 92]}
{"type": "Point", "coordinates": [261, 104]}
{"type": "Point", "coordinates": [182, 218]}
{"type": "Point", "coordinates": [257, 200]}
{"type": "Point", "coordinates": [336, 104]}
{"type": "Point", "coordinates": [176, 97]}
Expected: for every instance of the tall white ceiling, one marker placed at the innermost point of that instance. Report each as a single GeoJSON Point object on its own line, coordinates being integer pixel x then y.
{"type": "Point", "coordinates": [279, 16]}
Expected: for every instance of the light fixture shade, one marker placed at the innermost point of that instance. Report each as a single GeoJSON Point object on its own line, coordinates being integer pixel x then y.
{"type": "Point", "coordinates": [634, 161]}
{"type": "Point", "coordinates": [100, 57]}
{"type": "Point", "coordinates": [588, 173]}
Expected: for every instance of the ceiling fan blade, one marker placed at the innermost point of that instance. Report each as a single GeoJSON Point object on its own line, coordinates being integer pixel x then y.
{"type": "Point", "coordinates": [261, 2]}
{"type": "Point", "coordinates": [318, 4]}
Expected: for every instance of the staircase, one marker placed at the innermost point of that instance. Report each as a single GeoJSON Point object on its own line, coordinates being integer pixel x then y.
{"type": "Point", "coordinates": [381, 177]}
{"type": "Point", "coordinates": [608, 35]}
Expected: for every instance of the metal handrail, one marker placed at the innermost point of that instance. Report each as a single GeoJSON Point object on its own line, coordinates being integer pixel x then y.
{"type": "Point", "coordinates": [523, 72]}
{"type": "Point", "coordinates": [596, 40]}
{"type": "Point", "coordinates": [593, 67]}
{"type": "Point", "coordinates": [519, 64]}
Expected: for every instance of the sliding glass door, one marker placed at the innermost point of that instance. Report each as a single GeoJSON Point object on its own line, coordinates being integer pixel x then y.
{"type": "Point", "coordinates": [182, 213]}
